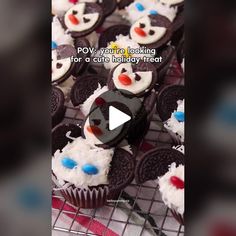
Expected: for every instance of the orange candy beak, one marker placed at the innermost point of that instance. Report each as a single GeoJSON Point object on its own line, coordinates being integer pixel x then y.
{"type": "Point", "coordinates": [140, 32]}
{"type": "Point", "coordinates": [125, 79]}
{"type": "Point", "coordinates": [73, 19]}
{"type": "Point", "coordinates": [94, 130]}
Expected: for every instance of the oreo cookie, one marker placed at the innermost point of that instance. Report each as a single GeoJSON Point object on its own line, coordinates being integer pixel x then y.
{"type": "Point", "coordinates": [138, 79]}
{"type": "Point", "coordinates": [167, 100]}
{"type": "Point", "coordinates": [152, 31]}
{"type": "Point", "coordinates": [84, 87]}
{"type": "Point", "coordinates": [61, 135]}
{"type": "Point", "coordinates": [62, 66]}
{"type": "Point", "coordinates": [109, 35]}
{"type": "Point", "coordinates": [57, 106]}
{"type": "Point", "coordinates": [124, 3]}
{"type": "Point", "coordinates": [155, 163]}
{"type": "Point", "coordinates": [108, 6]}
{"type": "Point", "coordinates": [82, 19]}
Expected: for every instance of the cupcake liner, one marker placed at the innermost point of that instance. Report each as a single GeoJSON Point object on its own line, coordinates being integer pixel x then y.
{"type": "Point", "coordinates": [94, 197]}
{"type": "Point", "coordinates": [177, 216]}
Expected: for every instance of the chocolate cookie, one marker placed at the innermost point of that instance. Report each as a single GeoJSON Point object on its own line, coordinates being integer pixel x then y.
{"type": "Point", "coordinates": [167, 100]}
{"type": "Point", "coordinates": [152, 31]}
{"type": "Point", "coordinates": [124, 3]}
{"type": "Point", "coordinates": [138, 79]}
{"type": "Point", "coordinates": [82, 19]}
{"type": "Point", "coordinates": [84, 87]}
{"type": "Point", "coordinates": [61, 134]}
{"type": "Point", "coordinates": [108, 6]}
{"type": "Point", "coordinates": [62, 66]}
{"type": "Point", "coordinates": [110, 34]}
{"type": "Point", "coordinates": [57, 106]}
{"type": "Point", "coordinates": [155, 163]}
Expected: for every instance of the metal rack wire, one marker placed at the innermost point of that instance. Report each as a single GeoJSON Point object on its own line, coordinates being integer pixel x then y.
{"type": "Point", "coordinates": [140, 202]}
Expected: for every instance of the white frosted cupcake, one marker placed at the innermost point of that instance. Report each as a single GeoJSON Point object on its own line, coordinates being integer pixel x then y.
{"type": "Point", "coordinates": [171, 186]}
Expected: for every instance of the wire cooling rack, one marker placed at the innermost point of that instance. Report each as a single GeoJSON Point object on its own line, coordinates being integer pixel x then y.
{"type": "Point", "coordinates": [139, 209]}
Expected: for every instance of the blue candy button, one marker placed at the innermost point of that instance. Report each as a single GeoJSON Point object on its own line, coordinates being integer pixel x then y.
{"type": "Point", "coordinates": [53, 45]}
{"type": "Point", "coordinates": [179, 115]}
{"type": "Point", "coordinates": [153, 12]}
{"type": "Point", "coordinates": [139, 6]}
{"type": "Point", "coordinates": [68, 163]}
{"type": "Point", "coordinates": [89, 169]}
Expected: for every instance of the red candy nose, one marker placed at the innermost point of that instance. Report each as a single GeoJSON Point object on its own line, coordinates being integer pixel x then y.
{"type": "Point", "coordinates": [73, 19]}
{"type": "Point", "coordinates": [125, 79]}
{"type": "Point", "coordinates": [94, 130]}
{"type": "Point", "coordinates": [73, 1]}
{"type": "Point", "coordinates": [177, 182]}
{"type": "Point", "coordinates": [140, 32]}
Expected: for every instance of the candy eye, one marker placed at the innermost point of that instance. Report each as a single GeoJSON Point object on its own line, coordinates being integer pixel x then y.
{"type": "Point", "coordinates": [141, 25]}
{"type": "Point", "coordinates": [74, 12]}
{"type": "Point", "coordinates": [89, 169]}
{"type": "Point", "coordinates": [58, 65]}
{"type": "Point", "coordinates": [86, 20]}
{"type": "Point", "coordinates": [139, 6]}
{"type": "Point", "coordinates": [179, 115]}
{"type": "Point", "coordinates": [151, 32]}
{"type": "Point", "coordinates": [137, 77]}
{"type": "Point", "coordinates": [68, 163]}
{"type": "Point", "coordinates": [123, 70]}
{"type": "Point", "coordinates": [53, 45]}
{"type": "Point", "coordinates": [153, 12]}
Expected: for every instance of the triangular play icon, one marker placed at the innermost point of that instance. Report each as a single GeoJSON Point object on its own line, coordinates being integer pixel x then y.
{"type": "Point", "coordinates": [117, 118]}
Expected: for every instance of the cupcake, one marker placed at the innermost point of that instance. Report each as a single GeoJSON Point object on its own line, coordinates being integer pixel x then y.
{"type": "Point", "coordinates": [166, 166]}
{"type": "Point", "coordinates": [88, 176]}
{"type": "Point", "coordinates": [141, 8]}
{"type": "Point", "coordinates": [170, 107]}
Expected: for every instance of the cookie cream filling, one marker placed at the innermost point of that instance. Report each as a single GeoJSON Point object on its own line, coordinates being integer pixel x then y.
{"type": "Point", "coordinates": [86, 106]}
{"type": "Point", "coordinates": [172, 196]}
{"type": "Point", "coordinates": [174, 125]}
{"type": "Point", "coordinates": [149, 7]}
{"type": "Point", "coordinates": [59, 7]}
{"type": "Point", "coordinates": [139, 80]}
{"type": "Point", "coordinates": [143, 32]}
{"type": "Point", "coordinates": [180, 148]}
{"type": "Point", "coordinates": [82, 155]}
{"type": "Point", "coordinates": [122, 42]}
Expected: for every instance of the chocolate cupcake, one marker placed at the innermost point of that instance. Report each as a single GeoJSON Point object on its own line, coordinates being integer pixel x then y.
{"type": "Point", "coordinates": [88, 176]}
{"type": "Point", "coordinates": [82, 19]}
{"type": "Point", "coordinates": [152, 31]}
{"type": "Point", "coordinates": [57, 106]}
{"type": "Point", "coordinates": [138, 79]}
{"type": "Point", "coordinates": [166, 166]}
{"type": "Point", "coordinates": [170, 107]}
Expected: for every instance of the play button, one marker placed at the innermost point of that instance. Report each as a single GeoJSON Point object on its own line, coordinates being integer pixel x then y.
{"type": "Point", "coordinates": [117, 118]}
{"type": "Point", "coordinates": [112, 119]}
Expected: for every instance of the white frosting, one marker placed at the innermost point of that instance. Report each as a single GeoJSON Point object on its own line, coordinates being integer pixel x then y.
{"type": "Point", "coordinates": [173, 197]}
{"type": "Point", "coordinates": [180, 148]}
{"type": "Point", "coordinates": [133, 14]}
{"type": "Point", "coordinates": [80, 16]}
{"type": "Point", "coordinates": [59, 7]}
{"type": "Point", "coordinates": [123, 42]}
{"type": "Point", "coordinates": [83, 153]}
{"type": "Point", "coordinates": [85, 107]}
{"type": "Point", "coordinates": [183, 65]}
{"type": "Point", "coordinates": [59, 67]}
{"type": "Point", "coordinates": [58, 33]}
{"type": "Point", "coordinates": [174, 125]}
{"type": "Point", "coordinates": [171, 2]}
{"type": "Point", "coordinates": [159, 32]}
{"type": "Point", "coordinates": [136, 86]}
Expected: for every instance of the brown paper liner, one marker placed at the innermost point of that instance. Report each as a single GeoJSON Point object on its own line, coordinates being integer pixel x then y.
{"type": "Point", "coordinates": [94, 197]}
{"type": "Point", "coordinates": [178, 217]}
